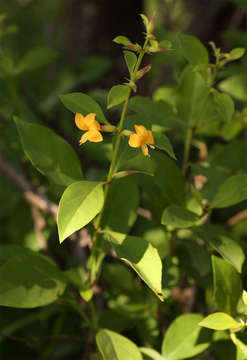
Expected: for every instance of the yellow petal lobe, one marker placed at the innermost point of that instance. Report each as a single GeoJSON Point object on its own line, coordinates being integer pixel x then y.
{"type": "Point", "coordinates": [145, 150]}
{"type": "Point", "coordinates": [80, 121]}
{"type": "Point", "coordinates": [134, 141]}
{"type": "Point", "coordinates": [94, 136]}
{"type": "Point", "coordinates": [84, 138]}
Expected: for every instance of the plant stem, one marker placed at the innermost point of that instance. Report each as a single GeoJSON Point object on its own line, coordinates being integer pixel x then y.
{"type": "Point", "coordinates": [97, 254]}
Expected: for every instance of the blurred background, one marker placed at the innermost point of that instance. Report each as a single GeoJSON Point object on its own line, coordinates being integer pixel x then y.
{"type": "Point", "coordinates": [53, 47]}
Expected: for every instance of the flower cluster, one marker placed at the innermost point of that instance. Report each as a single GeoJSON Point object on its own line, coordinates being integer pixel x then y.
{"type": "Point", "coordinates": [141, 138]}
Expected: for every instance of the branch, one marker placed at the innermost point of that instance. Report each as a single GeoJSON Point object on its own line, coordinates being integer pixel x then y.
{"type": "Point", "coordinates": [237, 218]}
{"type": "Point", "coordinates": [33, 197]}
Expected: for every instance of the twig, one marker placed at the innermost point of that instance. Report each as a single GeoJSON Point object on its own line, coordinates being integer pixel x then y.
{"type": "Point", "coordinates": [236, 19]}
{"type": "Point", "coordinates": [31, 342]}
{"type": "Point", "coordinates": [237, 218]}
{"type": "Point", "coordinates": [39, 225]}
{"type": "Point", "coordinates": [26, 342]}
{"type": "Point", "coordinates": [33, 197]}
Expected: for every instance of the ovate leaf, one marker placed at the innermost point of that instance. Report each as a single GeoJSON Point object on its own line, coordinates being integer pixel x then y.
{"type": "Point", "coordinates": [223, 244]}
{"type": "Point", "coordinates": [142, 257]}
{"type": "Point", "coordinates": [179, 217]}
{"type": "Point", "coordinates": [192, 93]}
{"type": "Point", "coordinates": [84, 104]}
{"type": "Point", "coordinates": [130, 59]}
{"type": "Point", "coordinates": [36, 58]}
{"type": "Point", "coordinates": [193, 50]}
{"type": "Point", "coordinates": [236, 54]}
{"type": "Point", "coordinates": [123, 40]}
{"type": "Point", "coordinates": [79, 204]}
{"type": "Point", "coordinates": [236, 86]}
{"type": "Point", "coordinates": [224, 106]}
{"type": "Point", "coordinates": [117, 95]}
{"type": "Point", "coordinates": [151, 353]}
{"type": "Point", "coordinates": [231, 192]}
{"type": "Point", "coordinates": [162, 142]}
{"type": "Point", "coordinates": [49, 153]}
{"type": "Point", "coordinates": [120, 215]}
{"type": "Point", "coordinates": [227, 285]}
{"type": "Point", "coordinates": [28, 279]}
{"type": "Point", "coordinates": [219, 321]}
{"type": "Point", "coordinates": [113, 346]}
{"type": "Point", "coordinates": [231, 156]}
{"type": "Point", "coordinates": [182, 338]}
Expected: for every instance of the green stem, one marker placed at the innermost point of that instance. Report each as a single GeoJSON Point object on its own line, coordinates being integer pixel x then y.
{"type": "Point", "coordinates": [94, 316]}
{"type": "Point", "coordinates": [97, 256]}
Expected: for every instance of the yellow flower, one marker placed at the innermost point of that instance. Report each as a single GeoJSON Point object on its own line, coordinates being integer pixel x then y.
{"type": "Point", "coordinates": [91, 125]}
{"type": "Point", "coordinates": [143, 137]}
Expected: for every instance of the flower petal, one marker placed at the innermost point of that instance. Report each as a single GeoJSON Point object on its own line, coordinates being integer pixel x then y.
{"type": "Point", "coordinates": [140, 130]}
{"type": "Point", "coordinates": [149, 137]}
{"type": "Point", "coordinates": [80, 121]}
{"type": "Point", "coordinates": [84, 138]}
{"type": "Point", "coordinates": [145, 150]}
{"type": "Point", "coordinates": [135, 141]}
{"type": "Point", "coordinates": [90, 119]}
{"type": "Point", "coordinates": [94, 136]}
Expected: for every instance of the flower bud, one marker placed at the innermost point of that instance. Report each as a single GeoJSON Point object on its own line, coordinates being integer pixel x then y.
{"type": "Point", "coordinates": [108, 128]}
{"type": "Point", "coordinates": [142, 72]}
{"type": "Point", "coordinates": [133, 47]}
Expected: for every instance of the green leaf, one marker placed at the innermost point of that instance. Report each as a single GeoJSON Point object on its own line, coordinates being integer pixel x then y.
{"type": "Point", "coordinates": [123, 40]}
{"type": "Point", "coordinates": [236, 86]}
{"type": "Point", "coordinates": [225, 106]}
{"type": "Point", "coordinates": [130, 59]}
{"type": "Point", "coordinates": [142, 257]}
{"type": "Point", "coordinates": [219, 321]}
{"type": "Point", "coordinates": [231, 192]}
{"type": "Point", "coordinates": [223, 244]}
{"type": "Point", "coordinates": [178, 217]}
{"type": "Point", "coordinates": [241, 349]}
{"type": "Point", "coordinates": [167, 176]}
{"type": "Point", "coordinates": [192, 93]}
{"type": "Point", "coordinates": [79, 204]}
{"type": "Point", "coordinates": [153, 354]}
{"type": "Point", "coordinates": [236, 54]}
{"type": "Point", "coordinates": [120, 215]}
{"type": "Point", "coordinates": [158, 113]}
{"type": "Point", "coordinates": [83, 104]}
{"type": "Point", "coordinates": [49, 153]}
{"type": "Point", "coordinates": [28, 279]}
{"type": "Point", "coordinates": [36, 58]}
{"type": "Point", "coordinates": [117, 95]}
{"type": "Point", "coordinates": [227, 285]}
{"type": "Point", "coordinates": [162, 142]}
{"type": "Point", "coordinates": [231, 156]}
{"type": "Point", "coordinates": [181, 338]}
{"type": "Point", "coordinates": [113, 346]}
{"type": "Point", "coordinates": [193, 50]}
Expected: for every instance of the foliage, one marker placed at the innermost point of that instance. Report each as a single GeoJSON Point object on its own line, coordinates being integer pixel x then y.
{"type": "Point", "coordinates": [148, 257]}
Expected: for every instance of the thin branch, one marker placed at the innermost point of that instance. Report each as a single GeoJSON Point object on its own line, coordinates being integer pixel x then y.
{"type": "Point", "coordinates": [39, 225]}
{"type": "Point", "coordinates": [237, 218]}
{"type": "Point", "coordinates": [236, 19]}
{"type": "Point", "coordinates": [30, 343]}
{"type": "Point", "coordinates": [32, 196]}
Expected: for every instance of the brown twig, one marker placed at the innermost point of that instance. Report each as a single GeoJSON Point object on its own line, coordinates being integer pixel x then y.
{"type": "Point", "coordinates": [32, 196]}
{"type": "Point", "coordinates": [236, 19]}
{"type": "Point", "coordinates": [237, 218]}
{"type": "Point", "coordinates": [30, 343]}
{"type": "Point", "coordinates": [39, 225]}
